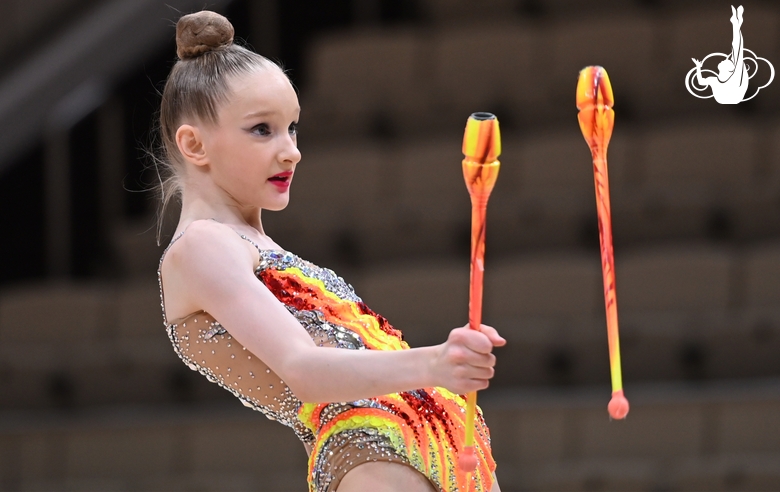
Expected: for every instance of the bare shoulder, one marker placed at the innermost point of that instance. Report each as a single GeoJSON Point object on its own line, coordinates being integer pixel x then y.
{"type": "Point", "coordinates": [207, 242]}
{"type": "Point", "coordinates": [208, 260]}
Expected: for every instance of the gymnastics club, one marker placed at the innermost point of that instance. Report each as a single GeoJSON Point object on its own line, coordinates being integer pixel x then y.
{"type": "Point", "coordinates": [597, 118]}
{"type": "Point", "coordinates": [481, 148]}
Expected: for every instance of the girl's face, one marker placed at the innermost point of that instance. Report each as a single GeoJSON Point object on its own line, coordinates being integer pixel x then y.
{"type": "Point", "coordinates": [253, 149]}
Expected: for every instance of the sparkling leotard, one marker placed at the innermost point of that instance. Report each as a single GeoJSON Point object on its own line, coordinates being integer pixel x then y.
{"type": "Point", "coordinates": [423, 428]}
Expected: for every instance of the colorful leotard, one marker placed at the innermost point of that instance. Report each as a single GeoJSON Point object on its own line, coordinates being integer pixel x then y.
{"type": "Point", "coordinates": [423, 428]}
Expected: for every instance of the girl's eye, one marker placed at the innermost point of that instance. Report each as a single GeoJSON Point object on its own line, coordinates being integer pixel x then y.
{"type": "Point", "coordinates": [293, 129]}
{"type": "Point", "coordinates": [262, 129]}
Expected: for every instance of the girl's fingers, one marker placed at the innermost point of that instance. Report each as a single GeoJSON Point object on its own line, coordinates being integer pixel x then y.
{"type": "Point", "coordinates": [483, 373]}
{"type": "Point", "coordinates": [496, 339]}
{"type": "Point", "coordinates": [481, 360]}
{"type": "Point", "coordinates": [481, 341]}
{"type": "Point", "coordinates": [478, 342]}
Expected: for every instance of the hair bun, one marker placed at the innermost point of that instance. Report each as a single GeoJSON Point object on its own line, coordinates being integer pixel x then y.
{"type": "Point", "coordinates": [201, 32]}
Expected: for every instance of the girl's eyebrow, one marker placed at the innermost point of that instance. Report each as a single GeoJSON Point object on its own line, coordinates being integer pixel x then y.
{"type": "Point", "coordinates": [255, 114]}
{"type": "Point", "coordinates": [266, 112]}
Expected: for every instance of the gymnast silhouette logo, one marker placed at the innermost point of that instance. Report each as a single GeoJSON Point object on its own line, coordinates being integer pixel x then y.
{"type": "Point", "coordinates": [730, 84]}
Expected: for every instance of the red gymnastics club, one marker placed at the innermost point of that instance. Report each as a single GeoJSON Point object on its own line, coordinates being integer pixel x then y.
{"type": "Point", "coordinates": [594, 102]}
{"type": "Point", "coordinates": [481, 148]}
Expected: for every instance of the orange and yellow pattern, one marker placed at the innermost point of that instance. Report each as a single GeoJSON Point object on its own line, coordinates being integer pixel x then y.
{"type": "Point", "coordinates": [427, 427]}
{"type": "Point", "coordinates": [292, 287]}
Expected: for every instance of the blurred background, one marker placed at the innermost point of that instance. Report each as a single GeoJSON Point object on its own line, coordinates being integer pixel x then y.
{"type": "Point", "coordinates": [92, 397]}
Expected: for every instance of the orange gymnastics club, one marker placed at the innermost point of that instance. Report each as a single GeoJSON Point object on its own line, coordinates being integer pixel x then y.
{"type": "Point", "coordinates": [594, 102]}
{"type": "Point", "coordinates": [481, 148]}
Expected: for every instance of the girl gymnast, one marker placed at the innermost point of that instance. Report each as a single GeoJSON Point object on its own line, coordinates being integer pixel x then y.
{"type": "Point", "coordinates": [286, 337]}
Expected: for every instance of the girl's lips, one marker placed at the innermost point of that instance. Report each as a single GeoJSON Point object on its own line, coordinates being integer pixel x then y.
{"type": "Point", "coordinates": [281, 185]}
{"type": "Point", "coordinates": [281, 180]}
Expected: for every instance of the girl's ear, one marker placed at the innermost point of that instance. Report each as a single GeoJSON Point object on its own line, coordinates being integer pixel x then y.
{"type": "Point", "coordinates": [190, 144]}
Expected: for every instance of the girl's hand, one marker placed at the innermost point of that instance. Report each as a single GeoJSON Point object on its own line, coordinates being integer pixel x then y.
{"type": "Point", "coordinates": [465, 362]}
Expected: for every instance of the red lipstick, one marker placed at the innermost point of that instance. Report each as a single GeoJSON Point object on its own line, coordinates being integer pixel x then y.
{"type": "Point", "coordinates": [281, 180]}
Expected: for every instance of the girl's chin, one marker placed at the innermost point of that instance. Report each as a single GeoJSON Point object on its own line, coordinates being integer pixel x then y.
{"type": "Point", "coordinates": [280, 203]}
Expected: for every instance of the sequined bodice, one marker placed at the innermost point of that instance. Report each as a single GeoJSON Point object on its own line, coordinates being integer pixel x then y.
{"type": "Point", "coordinates": [423, 428]}
{"type": "Point", "coordinates": [324, 304]}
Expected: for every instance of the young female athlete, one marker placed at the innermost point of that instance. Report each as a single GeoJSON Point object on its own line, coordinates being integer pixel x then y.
{"type": "Point", "coordinates": [288, 338]}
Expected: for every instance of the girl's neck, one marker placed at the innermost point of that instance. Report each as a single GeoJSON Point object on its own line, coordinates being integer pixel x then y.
{"type": "Point", "coordinates": [196, 206]}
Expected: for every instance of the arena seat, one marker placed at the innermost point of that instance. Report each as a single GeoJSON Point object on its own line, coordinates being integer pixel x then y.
{"type": "Point", "coordinates": [762, 276]}
{"type": "Point", "coordinates": [743, 471]}
{"type": "Point", "coordinates": [718, 157]}
{"type": "Point", "coordinates": [138, 312]}
{"type": "Point", "coordinates": [729, 329]}
{"type": "Point", "coordinates": [564, 439]}
{"type": "Point", "coordinates": [676, 312]}
{"type": "Point", "coordinates": [531, 436]}
{"type": "Point", "coordinates": [53, 313]}
{"type": "Point", "coordinates": [116, 449]}
{"type": "Point", "coordinates": [547, 307]}
{"type": "Point", "coordinates": [565, 286]}
{"type": "Point", "coordinates": [95, 454]}
{"type": "Point", "coordinates": [361, 82]}
{"type": "Point", "coordinates": [491, 69]}
{"type": "Point", "coordinates": [545, 193]}
{"type": "Point", "coordinates": [679, 315]}
{"type": "Point", "coordinates": [747, 427]}
{"type": "Point", "coordinates": [229, 482]}
{"type": "Point", "coordinates": [682, 278]}
{"type": "Point", "coordinates": [657, 431]}
{"type": "Point", "coordinates": [756, 215]}
{"type": "Point", "coordinates": [591, 474]}
{"type": "Point", "coordinates": [755, 331]}
{"type": "Point", "coordinates": [551, 163]}
{"type": "Point", "coordinates": [554, 170]}
{"type": "Point", "coordinates": [431, 183]}
{"type": "Point", "coordinates": [77, 374]}
{"type": "Point", "coordinates": [701, 181]}
{"type": "Point", "coordinates": [423, 203]}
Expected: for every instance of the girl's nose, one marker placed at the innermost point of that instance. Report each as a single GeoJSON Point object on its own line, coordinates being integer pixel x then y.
{"type": "Point", "coordinates": [289, 151]}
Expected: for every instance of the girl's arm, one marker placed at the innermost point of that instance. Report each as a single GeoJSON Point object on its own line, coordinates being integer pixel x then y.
{"type": "Point", "coordinates": [211, 269]}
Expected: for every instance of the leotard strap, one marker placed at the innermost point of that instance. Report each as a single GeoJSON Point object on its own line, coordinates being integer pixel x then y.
{"type": "Point", "coordinates": [176, 238]}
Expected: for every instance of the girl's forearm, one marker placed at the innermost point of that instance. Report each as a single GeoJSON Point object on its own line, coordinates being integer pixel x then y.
{"type": "Point", "coordinates": [323, 374]}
